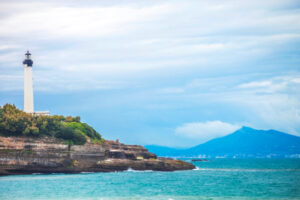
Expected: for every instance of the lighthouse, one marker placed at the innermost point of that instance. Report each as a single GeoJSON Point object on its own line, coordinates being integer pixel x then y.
{"type": "Point", "coordinates": [28, 84]}
{"type": "Point", "coordinates": [28, 87]}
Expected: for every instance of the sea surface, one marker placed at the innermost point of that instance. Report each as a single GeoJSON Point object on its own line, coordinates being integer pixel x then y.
{"type": "Point", "coordinates": [217, 179]}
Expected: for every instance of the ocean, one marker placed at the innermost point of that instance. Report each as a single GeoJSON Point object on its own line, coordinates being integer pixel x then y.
{"type": "Point", "coordinates": [217, 179]}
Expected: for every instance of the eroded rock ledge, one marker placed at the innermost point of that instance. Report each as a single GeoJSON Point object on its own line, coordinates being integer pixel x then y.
{"type": "Point", "coordinates": [47, 155]}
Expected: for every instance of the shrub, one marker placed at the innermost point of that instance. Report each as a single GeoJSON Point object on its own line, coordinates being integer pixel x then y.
{"type": "Point", "coordinates": [14, 122]}
{"type": "Point", "coordinates": [71, 134]}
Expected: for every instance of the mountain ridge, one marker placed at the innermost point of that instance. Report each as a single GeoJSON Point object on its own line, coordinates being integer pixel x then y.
{"type": "Point", "coordinates": [245, 142]}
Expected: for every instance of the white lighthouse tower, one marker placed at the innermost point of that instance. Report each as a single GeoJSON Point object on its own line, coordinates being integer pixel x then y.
{"type": "Point", "coordinates": [28, 84]}
{"type": "Point", "coordinates": [28, 87]}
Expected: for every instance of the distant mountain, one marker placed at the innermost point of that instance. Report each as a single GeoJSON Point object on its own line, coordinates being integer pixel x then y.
{"type": "Point", "coordinates": [245, 142]}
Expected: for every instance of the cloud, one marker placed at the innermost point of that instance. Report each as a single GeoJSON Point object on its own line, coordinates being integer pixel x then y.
{"type": "Point", "coordinates": [168, 59]}
{"type": "Point", "coordinates": [8, 47]}
{"type": "Point", "coordinates": [127, 41]}
{"type": "Point", "coordinates": [267, 103]}
{"type": "Point", "coordinates": [60, 21]}
{"type": "Point", "coordinates": [267, 86]}
{"type": "Point", "coordinates": [270, 103]}
{"type": "Point", "coordinates": [204, 131]}
{"type": "Point", "coordinates": [279, 112]}
{"type": "Point", "coordinates": [10, 82]}
{"type": "Point", "coordinates": [255, 84]}
{"type": "Point", "coordinates": [275, 84]}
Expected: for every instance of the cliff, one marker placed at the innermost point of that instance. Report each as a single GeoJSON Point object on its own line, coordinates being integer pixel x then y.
{"type": "Point", "coordinates": [25, 155]}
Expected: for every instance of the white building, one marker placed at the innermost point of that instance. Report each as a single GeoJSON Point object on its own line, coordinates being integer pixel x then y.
{"type": "Point", "coordinates": [28, 87]}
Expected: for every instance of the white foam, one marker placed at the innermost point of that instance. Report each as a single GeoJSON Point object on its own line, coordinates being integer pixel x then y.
{"type": "Point", "coordinates": [132, 170]}
{"type": "Point", "coordinates": [196, 169]}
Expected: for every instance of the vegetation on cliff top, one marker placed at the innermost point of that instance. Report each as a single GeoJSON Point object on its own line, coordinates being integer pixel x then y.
{"type": "Point", "coordinates": [14, 122]}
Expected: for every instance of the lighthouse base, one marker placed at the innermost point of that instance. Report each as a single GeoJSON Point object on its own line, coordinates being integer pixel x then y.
{"type": "Point", "coordinates": [44, 113]}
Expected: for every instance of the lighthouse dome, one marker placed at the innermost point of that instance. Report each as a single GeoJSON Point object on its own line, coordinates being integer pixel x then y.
{"type": "Point", "coordinates": [28, 60]}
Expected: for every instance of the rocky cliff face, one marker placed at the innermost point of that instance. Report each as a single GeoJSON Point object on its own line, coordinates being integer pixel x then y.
{"type": "Point", "coordinates": [47, 155]}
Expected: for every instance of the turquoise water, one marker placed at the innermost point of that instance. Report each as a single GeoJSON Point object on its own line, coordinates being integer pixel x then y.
{"type": "Point", "coordinates": [237, 179]}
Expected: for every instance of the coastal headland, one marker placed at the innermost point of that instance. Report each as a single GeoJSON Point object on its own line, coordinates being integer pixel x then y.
{"type": "Point", "coordinates": [22, 155]}
{"type": "Point", "coordinates": [57, 144]}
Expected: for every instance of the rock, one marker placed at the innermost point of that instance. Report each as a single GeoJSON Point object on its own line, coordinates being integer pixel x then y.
{"type": "Point", "coordinates": [20, 155]}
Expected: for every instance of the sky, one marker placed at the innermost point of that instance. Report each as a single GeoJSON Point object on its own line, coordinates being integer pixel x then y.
{"type": "Point", "coordinates": [171, 73]}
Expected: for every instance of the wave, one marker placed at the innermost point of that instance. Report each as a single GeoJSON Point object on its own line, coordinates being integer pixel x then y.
{"type": "Point", "coordinates": [196, 169]}
{"type": "Point", "coordinates": [132, 170]}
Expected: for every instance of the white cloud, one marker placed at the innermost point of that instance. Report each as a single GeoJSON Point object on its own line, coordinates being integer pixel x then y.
{"type": "Point", "coordinates": [277, 111]}
{"type": "Point", "coordinates": [11, 82]}
{"type": "Point", "coordinates": [62, 21]}
{"type": "Point", "coordinates": [199, 53]}
{"type": "Point", "coordinates": [264, 86]}
{"type": "Point", "coordinates": [255, 84]}
{"type": "Point", "coordinates": [272, 85]}
{"type": "Point", "coordinates": [271, 103]}
{"type": "Point", "coordinates": [268, 103]}
{"type": "Point", "coordinates": [98, 39]}
{"type": "Point", "coordinates": [205, 131]}
{"type": "Point", "coordinates": [8, 47]}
